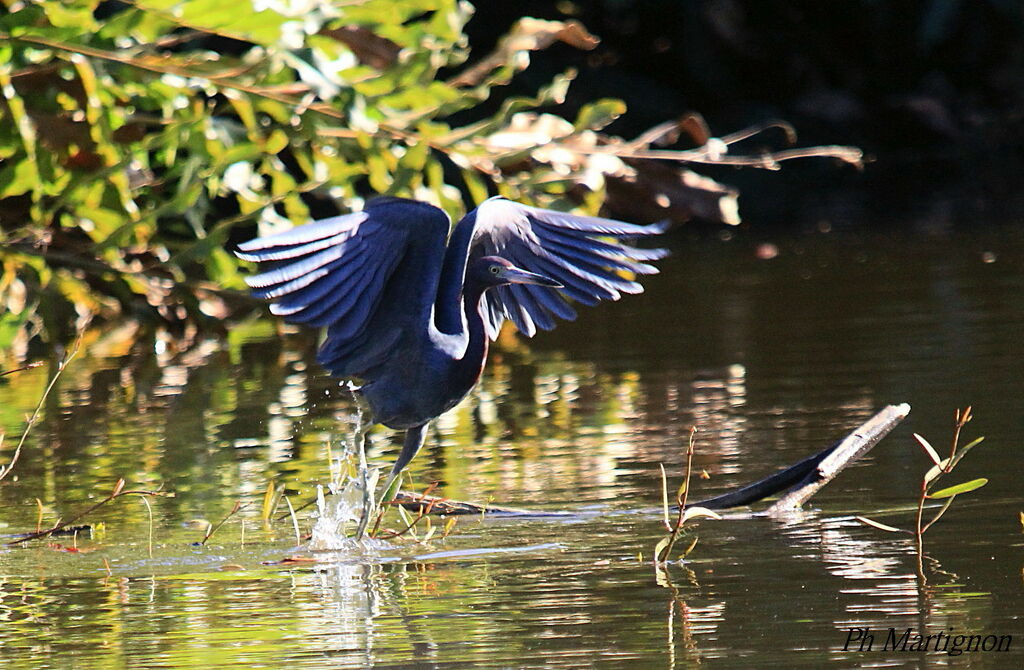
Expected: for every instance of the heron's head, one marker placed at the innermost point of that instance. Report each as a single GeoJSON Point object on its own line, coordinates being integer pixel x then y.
{"type": "Point", "coordinates": [496, 271]}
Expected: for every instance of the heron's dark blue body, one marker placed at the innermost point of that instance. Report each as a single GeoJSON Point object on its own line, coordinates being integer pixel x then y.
{"type": "Point", "coordinates": [409, 311]}
{"type": "Point", "coordinates": [444, 367]}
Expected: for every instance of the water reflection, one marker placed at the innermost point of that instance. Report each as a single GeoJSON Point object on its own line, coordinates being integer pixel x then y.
{"type": "Point", "coordinates": [770, 360]}
{"type": "Point", "coordinates": [226, 417]}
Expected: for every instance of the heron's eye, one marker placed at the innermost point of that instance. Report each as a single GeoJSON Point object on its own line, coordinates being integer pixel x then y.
{"type": "Point", "coordinates": [495, 269]}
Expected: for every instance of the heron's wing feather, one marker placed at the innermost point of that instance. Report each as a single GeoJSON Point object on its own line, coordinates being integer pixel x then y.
{"type": "Point", "coordinates": [327, 271]}
{"type": "Point", "coordinates": [585, 254]}
{"type": "Point", "coordinates": [337, 272]}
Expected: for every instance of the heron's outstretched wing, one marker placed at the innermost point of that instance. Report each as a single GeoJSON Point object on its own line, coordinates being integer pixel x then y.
{"type": "Point", "coordinates": [336, 272]}
{"type": "Point", "coordinates": [583, 253]}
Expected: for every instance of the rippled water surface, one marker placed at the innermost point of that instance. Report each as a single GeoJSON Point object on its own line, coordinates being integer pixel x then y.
{"type": "Point", "coordinates": [769, 358]}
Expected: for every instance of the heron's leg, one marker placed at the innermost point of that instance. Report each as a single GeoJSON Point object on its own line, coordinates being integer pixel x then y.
{"type": "Point", "coordinates": [414, 438]}
{"type": "Point", "coordinates": [367, 483]}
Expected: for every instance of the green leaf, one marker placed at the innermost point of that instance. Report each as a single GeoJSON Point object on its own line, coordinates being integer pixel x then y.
{"type": "Point", "coordinates": [681, 491]}
{"type": "Point", "coordinates": [661, 547]}
{"type": "Point", "coordinates": [17, 178]}
{"type": "Point", "coordinates": [966, 487]}
{"type": "Point", "coordinates": [78, 15]}
{"type": "Point", "coordinates": [276, 142]}
{"type": "Point", "coordinates": [597, 115]}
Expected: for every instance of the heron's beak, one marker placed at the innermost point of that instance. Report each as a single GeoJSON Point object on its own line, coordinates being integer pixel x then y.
{"type": "Point", "coordinates": [517, 276]}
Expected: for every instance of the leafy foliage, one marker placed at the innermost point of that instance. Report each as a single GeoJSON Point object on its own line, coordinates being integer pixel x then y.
{"type": "Point", "coordinates": [135, 136]}
{"type": "Point", "coordinates": [941, 467]}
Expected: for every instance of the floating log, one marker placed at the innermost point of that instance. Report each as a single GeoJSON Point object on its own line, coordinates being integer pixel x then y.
{"type": "Point", "coordinates": [835, 459]}
{"type": "Point", "coordinates": [798, 482]}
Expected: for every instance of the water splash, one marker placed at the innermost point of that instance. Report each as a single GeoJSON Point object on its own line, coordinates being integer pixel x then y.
{"type": "Point", "coordinates": [347, 507]}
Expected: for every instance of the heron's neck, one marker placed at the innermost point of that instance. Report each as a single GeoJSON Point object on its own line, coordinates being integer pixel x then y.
{"type": "Point", "coordinates": [472, 361]}
{"type": "Point", "coordinates": [473, 308]}
{"type": "Point", "coordinates": [452, 285]}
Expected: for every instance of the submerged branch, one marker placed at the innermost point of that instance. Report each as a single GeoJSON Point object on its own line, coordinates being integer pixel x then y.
{"type": "Point", "coordinates": [118, 492]}
{"type": "Point", "coordinates": [836, 458]}
{"type": "Point", "coordinates": [802, 479]}
{"type": "Point", "coordinates": [417, 502]}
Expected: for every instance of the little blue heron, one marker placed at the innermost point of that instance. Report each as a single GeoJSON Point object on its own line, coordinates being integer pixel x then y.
{"type": "Point", "coordinates": [409, 310]}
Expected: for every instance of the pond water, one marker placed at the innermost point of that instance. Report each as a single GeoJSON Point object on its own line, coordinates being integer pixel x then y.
{"type": "Point", "coordinates": [771, 344]}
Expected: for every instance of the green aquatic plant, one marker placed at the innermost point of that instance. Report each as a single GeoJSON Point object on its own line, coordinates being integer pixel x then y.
{"type": "Point", "coordinates": [663, 550]}
{"type": "Point", "coordinates": [940, 468]}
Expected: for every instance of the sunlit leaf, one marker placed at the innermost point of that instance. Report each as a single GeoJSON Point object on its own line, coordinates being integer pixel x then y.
{"type": "Point", "coordinates": [17, 177]}
{"type": "Point", "coordinates": [936, 470]}
{"type": "Point", "coordinates": [681, 491]}
{"type": "Point", "coordinates": [928, 449]}
{"type": "Point", "coordinates": [965, 487]}
{"type": "Point", "coordinates": [970, 445]}
{"type": "Point", "coordinates": [947, 465]}
{"type": "Point", "coordinates": [879, 526]}
{"type": "Point", "coordinates": [662, 545]}
{"type": "Point", "coordinates": [597, 115]}
{"type": "Point", "coordinates": [699, 513]}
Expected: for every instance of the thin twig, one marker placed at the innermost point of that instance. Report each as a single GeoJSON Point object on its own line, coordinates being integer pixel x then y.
{"type": "Point", "coordinates": [6, 469]}
{"type": "Point", "coordinates": [960, 420]}
{"type": "Point", "coordinates": [689, 468]}
{"type": "Point", "coordinates": [213, 529]}
{"type": "Point", "coordinates": [423, 512]}
{"type": "Point", "coordinates": [949, 501]}
{"type": "Point", "coordinates": [118, 492]}
{"type": "Point", "coordinates": [768, 161]}
{"type": "Point", "coordinates": [33, 364]}
{"type": "Point", "coordinates": [919, 533]}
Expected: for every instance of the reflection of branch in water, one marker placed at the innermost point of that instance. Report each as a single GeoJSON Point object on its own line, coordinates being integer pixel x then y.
{"type": "Point", "coordinates": [693, 621]}
{"type": "Point", "coordinates": [664, 579]}
{"type": "Point", "coordinates": [879, 586]}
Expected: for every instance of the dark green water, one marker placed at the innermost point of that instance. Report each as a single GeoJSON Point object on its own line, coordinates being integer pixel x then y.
{"type": "Point", "coordinates": [771, 359]}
